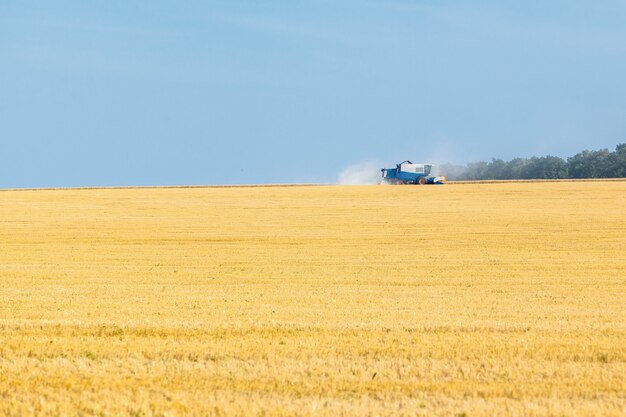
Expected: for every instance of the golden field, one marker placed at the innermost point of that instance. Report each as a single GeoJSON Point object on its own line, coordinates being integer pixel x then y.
{"type": "Point", "coordinates": [501, 299]}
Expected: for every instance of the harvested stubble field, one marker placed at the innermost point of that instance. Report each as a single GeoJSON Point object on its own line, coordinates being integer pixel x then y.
{"type": "Point", "coordinates": [457, 300]}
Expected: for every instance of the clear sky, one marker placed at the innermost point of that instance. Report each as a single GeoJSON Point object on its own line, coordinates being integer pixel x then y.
{"type": "Point", "coordinates": [208, 92]}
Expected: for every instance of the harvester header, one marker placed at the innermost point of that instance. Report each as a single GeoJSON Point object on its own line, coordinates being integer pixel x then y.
{"type": "Point", "coordinates": [409, 173]}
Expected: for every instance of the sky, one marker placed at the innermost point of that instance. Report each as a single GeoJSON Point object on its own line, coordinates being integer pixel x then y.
{"type": "Point", "coordinates": [159, 92]}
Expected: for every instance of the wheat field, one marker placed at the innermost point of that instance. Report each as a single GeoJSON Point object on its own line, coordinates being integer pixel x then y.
{"type": "Point", "coordinates": [456, 300]}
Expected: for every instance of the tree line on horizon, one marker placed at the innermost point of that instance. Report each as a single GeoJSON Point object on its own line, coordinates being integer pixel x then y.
{"type": "Point", "coordinates": [585, 164]}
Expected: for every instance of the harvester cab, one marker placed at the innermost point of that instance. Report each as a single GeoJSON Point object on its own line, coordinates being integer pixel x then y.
{"type": "Point", "coordinates": [409, 173]}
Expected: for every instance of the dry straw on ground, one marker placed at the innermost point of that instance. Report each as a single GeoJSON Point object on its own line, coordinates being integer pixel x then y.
{"type": "Point", "coordinates": [457, 300]}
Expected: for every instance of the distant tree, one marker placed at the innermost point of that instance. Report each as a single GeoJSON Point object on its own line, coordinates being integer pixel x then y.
{"type": "Point", "coordinates": [616, 163]}
{"type": "Point", "coordinates": [585, 164]}
{"type": "Point", "coordinates": [547, 167]}
{"type": "Point", "coordinates": [515, 168]}
{"type": "Point", "coordinates": [588, 164]}
{"type": "Point", "coordinates": [494, 169]}
{"type": "Point", "coordinates": [476, 171]}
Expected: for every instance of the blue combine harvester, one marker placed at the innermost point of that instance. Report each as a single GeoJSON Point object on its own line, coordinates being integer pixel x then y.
{"type": "Point", "coordinates": [409, 173]}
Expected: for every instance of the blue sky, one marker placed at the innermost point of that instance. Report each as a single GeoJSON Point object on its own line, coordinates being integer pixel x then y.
{"type": "Point", "coordinates": [211, 92]}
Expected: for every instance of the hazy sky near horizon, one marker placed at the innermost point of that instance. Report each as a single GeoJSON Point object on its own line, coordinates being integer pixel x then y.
{"type": "Point", "coordinates": [208, 92]}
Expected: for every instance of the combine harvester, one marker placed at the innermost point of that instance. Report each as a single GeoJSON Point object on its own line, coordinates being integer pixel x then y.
{"type": "Point", "coordinates": [409, 173]}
